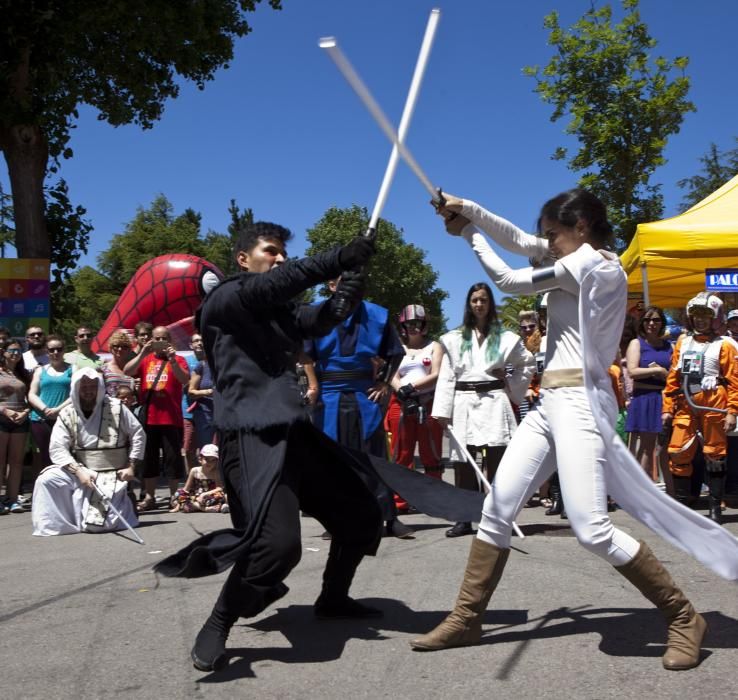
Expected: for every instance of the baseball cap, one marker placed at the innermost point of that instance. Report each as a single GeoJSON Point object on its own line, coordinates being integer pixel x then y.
{"type": "Point", "coordinates": [732, 314]}
{"type": "Point", "coordinates": [209, 451]}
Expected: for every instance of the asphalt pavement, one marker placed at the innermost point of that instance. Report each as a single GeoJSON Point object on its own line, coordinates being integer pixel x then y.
{"type": "Point", "coordinates": [83, 616]}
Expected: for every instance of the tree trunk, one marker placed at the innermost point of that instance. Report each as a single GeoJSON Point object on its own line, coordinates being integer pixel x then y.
{"type": "Point", "coordinates": [26, 153]}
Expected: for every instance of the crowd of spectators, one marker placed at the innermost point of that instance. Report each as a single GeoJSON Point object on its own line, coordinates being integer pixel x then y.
{"type": "Point", "coordinates": [142, 370]}
{"type": "Point", "coordinates": [479, 380]}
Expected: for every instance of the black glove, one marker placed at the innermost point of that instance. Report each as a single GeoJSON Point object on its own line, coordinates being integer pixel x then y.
{"type": "Point", "coordinates": [356, 254]}
{"type": "Point", "coordinates": [351, 286]}
{"type": "Point", "coordinates": [405, 392]}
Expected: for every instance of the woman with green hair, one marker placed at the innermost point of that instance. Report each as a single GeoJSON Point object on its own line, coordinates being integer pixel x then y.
{"type": "Point", "coordinates": [475, 391]}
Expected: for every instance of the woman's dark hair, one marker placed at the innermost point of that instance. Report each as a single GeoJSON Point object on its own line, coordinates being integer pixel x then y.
{"type": "Point", "coordinates": [491, 326]}
{"type": "Point", "coordinates": [569, 207]}
{"type": "Point", "coordinates": [469, 321]}
{"type": "Point", "coordinates": [20, 370]}
{"type": "Point", "coordinates": [249, 236]}
{"type": "Point", "coordinates": [642, 322]}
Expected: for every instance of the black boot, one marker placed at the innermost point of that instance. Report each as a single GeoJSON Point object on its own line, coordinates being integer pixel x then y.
{"type": "Point", "coordinates": [208, 654]}
{"type": "Point", "coordinates": [683, 489]}
{"type": "Point", "coordinates": [238, 598]}
{"type": "Point", "coordinates": [716, 484]}
{"type": "Point", "coordinates": [554, 490]}
{"type": "Point", "coordinates": [334, 602]}
{"type": "Point", "coordinates": [459, 530]}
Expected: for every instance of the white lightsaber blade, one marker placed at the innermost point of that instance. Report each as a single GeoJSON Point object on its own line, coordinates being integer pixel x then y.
{"type": "Point", "coordinates": [331, 46]}
{"type": "Point", "coordinates": [407, 114]}
{"type": "Point", "coordinates": [480, 475]}
{"type": "Point", "coordinates": [108, 503]}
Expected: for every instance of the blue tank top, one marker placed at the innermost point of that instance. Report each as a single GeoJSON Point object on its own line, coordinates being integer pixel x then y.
{"type": "Point", "coordinates": [53, 389]}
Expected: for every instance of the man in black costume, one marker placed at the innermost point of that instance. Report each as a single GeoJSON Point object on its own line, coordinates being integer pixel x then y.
{"type": "Point", "coordinates": [274, 462]}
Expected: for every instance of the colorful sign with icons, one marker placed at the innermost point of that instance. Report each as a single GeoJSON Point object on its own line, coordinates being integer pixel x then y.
{"type": "Point", "coordinates": [24, 294]}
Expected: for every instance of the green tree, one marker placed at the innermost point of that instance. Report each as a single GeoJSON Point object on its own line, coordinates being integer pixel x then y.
{"type": "Point", "coordinates": [123, 57]}
{"type": "Point", "coordinates": [509, 307]}
{"type": "Point", "coordinates": [623, 104]}
{"type": "Point", "coordinates": [86, 298]}
{"type": "Point", "coordinates": [7, 232]}
{"type": "Point", "coordinates": [398, 274]}
{"type": "Point", "coordinates": [717, 169]}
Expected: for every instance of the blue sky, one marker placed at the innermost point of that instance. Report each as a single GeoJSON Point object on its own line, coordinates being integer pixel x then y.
{"type": "Point", "coordinates": [280, 131]}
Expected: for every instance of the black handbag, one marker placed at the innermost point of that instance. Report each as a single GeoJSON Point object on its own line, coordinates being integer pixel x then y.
{"type": "Point", "coordinates": [143, 410]}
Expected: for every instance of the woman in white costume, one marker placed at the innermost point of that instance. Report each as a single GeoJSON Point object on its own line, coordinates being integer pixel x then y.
{"type": "Point", "coordinates": [473, 393]}
{"type": "Point", "coordinates": [573, 428]}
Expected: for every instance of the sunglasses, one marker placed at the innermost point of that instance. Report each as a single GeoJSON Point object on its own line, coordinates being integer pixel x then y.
{"type": "Point", "coordinates": [54, 349]}
{"type": "Point", "coordinates": [528, 327]}
{"type": "Point", "coordinates": [84, 335]}
{"type": "Point", "coordinates": [13, 352]}
{"type": "Point", "coordinates": [117, 347]}
{"type": "Point", "coordinates": [646, 321]}
{"type": "Point", "coordinates": [33, 335]}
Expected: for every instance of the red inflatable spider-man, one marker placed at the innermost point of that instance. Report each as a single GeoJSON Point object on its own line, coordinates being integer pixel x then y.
{"type": "Point", "coordinates": [165, 291]}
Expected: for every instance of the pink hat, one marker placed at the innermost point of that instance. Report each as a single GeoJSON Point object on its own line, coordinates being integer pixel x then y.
{"type": "Point", "coordinates": [209, 451]}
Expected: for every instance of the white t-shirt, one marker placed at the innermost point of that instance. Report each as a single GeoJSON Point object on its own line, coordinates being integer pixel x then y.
{"type": "Point", "coordinates": [32, 361]}
{"type": "Point", "coordinates": [416, 364]}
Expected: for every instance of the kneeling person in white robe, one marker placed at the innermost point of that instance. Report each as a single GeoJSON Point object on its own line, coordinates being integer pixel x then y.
{"type": "Point", "coordinates": [97, 440]}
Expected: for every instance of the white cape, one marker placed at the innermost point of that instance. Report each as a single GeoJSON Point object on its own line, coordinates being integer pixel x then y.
{"type": "Point", "coordinates": [602, 298]}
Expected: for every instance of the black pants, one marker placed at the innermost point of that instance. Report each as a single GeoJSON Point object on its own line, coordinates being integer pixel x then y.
{"type": "Point", "coordinates": [327, 490]}
{"type": "Point", "coordinates": [350, 435]}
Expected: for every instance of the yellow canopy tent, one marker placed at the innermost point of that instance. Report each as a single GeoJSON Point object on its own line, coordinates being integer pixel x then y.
{"type": "Point", "coordinates": [666, 260]}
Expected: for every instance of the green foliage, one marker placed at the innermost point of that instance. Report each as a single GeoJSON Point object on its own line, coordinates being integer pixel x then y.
{"type": "Point", "coordinates": [623, 104]}
{"type": "Point", "coordinates": [509, 307]}
{"type": "Point", "coordinates": [125, 58]}
{"type": "Point", "coordinates": [7, 232]}
{"type": "Point", "coordinates": [70, 234]}
{"type": "Point", "coordinates": [717, 169]}
{"type": "Point", "coordinates": [398, 274]}
{"type": "Point", "coordinates": [86, 298]}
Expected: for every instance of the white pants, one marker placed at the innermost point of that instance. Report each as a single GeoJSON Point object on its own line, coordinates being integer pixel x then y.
{"type": "Point", "coordinates": [60, 504]}
{"type": "Point", "coordinates": [561, 435]}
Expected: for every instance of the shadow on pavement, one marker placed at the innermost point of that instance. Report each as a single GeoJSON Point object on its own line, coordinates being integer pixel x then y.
{"type": "Point", "coordinates": [624, 632]}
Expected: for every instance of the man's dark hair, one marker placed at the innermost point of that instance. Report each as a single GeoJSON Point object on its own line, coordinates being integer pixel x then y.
{"type": "Point", "coordinates": [249, 235]}
{"type": "Point", "coordinates": [143, 326]}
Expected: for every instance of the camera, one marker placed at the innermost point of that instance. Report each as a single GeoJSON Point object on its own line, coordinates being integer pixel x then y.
{"type": "Point", "coordinates": [411, 407]}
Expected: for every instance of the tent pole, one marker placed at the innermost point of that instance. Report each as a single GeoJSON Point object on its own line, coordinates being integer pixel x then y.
{"type": "Point", "coordinates": [646, 293]}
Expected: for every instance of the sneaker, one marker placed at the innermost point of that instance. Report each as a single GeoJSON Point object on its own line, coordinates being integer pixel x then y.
{"type": "Point", "coordinates": [16, 507]}
{"type": "Point", "coordinates": [4, 510]}
{"type": "Point", "coordinates": [225, 508]}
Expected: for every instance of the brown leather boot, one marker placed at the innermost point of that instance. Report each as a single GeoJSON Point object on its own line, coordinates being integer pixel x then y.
{"type": "Point", "coordinates": [463, 627]}
{"type": "Point", "coordinates": [686, 627]}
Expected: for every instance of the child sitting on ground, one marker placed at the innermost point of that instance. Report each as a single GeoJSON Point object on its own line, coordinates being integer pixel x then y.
{"type": "Point", "coordinates": [203, 490]}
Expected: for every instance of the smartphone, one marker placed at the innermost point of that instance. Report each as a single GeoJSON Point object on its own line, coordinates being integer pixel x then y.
{"type": "Point", "coordinates": [159, 345]}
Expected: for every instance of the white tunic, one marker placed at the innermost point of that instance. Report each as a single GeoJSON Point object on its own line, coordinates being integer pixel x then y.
{"type": "Point", "coordinates": [60, 504]}
{"type": "Point", "coordinates": [481, 418]}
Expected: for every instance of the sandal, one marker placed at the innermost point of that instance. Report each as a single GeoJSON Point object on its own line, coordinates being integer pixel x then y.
{"type": "Point", "coordinates": [148, 503]}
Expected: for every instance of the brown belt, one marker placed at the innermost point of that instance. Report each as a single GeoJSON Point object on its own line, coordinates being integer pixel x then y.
{"type": "Point", "coordinates": [559, 378]}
